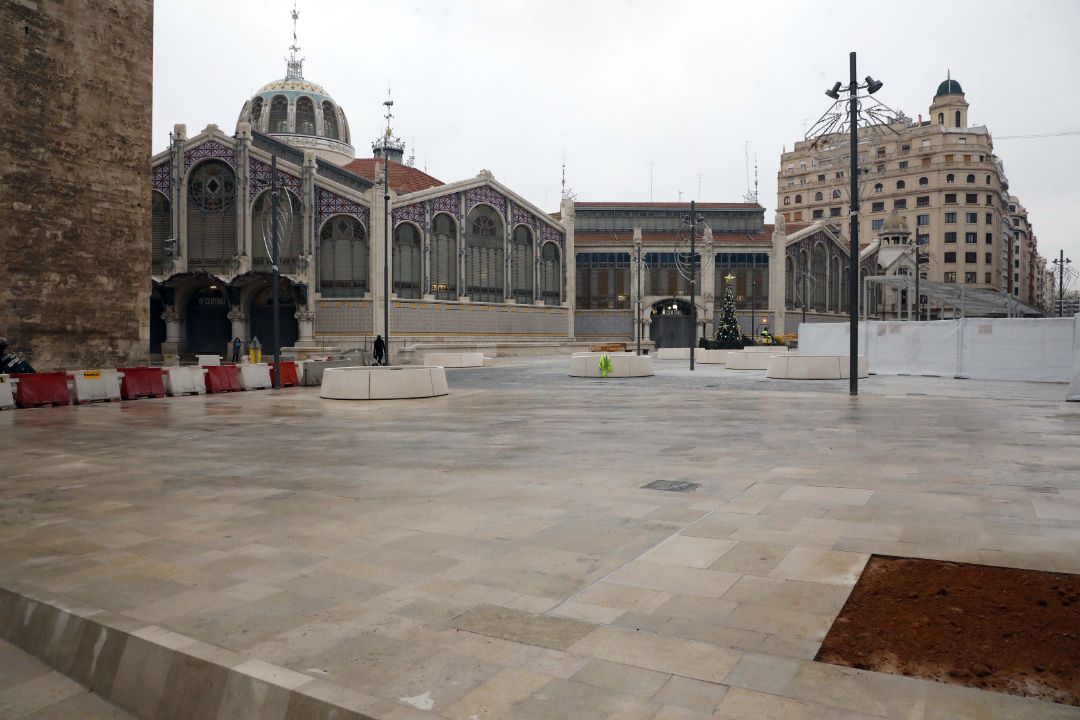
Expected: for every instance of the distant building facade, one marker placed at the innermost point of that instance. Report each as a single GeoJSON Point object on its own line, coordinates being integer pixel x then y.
{"type": "Point", "coordinates": [940, 176]}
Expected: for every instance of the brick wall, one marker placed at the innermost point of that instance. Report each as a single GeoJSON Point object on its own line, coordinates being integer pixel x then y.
{"type": "Point", "coordinates": [75, 77]}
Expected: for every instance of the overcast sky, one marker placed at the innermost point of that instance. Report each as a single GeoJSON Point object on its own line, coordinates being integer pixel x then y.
{"type": "Point", "coordinates": [618, 86]}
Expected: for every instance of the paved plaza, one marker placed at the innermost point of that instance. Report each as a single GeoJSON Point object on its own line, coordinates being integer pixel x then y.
{"type": "Point", "coordinates": [492, 554]}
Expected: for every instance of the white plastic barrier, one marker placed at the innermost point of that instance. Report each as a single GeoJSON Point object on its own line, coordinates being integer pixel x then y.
{"type": "Point", "coordinates": [94, 385]}
{"type": "Point", "coordinates": [383, 383]}
{"type": "Point", "coordinates": [457, 360]}
{"type": "Point", "coordinates": [185, 380]}
{"type": "Point", "coordinates": [205, 360]}
{"type": "Point", "coordinates": [740, 360]}
{"type": "Point", "coordinates": [792, 366]}
{"type": "Point", "coordinates": [7, 392]}
{"type": "Point", "coordinates": [673, 354]}
{"type": "Point", "coordinates": [1028, 349]}
{"type": "Point", "coordinates": [587, 364]}
{"type": "Point", "coordinates": [1072, 394]}
{"type": "Point", "coordinates": [254, 376]}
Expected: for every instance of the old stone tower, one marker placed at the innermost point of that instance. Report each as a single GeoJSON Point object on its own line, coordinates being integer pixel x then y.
{"type": "Point", "coordinates": [75, 78]}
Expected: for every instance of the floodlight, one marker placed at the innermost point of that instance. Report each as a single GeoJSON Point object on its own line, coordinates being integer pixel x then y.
{"type": "Point", "coordinates": [835, 92]}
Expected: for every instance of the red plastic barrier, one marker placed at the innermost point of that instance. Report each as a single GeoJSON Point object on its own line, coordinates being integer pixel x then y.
{"type": "Point", "coordinates": [288, 374]}
{"type": "Point", "coordinates": [222, 378]}
{"type": "Point", "coordinates": [35, 389]}
{"type": "Point", "coordinates": [141, 382]}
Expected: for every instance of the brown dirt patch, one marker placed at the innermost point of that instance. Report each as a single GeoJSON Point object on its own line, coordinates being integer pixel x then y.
{"type": "Point", "coordinates": [1012, 631]}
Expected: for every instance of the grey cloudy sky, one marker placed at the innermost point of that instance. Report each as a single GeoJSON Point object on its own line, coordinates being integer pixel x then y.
{"type": "Point", "coordinates": [511, 86]}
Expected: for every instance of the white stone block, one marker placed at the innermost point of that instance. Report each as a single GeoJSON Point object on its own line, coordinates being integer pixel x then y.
{"type": "Point", "coordinates": [711, 357]}
{"type": "Point", "coordinates": [7, 392]}
{"type": "Point", "coordinates": [185, 380]}
{"type": "Point", "coordinates": [673, 354]}
{"type": "Point", "coordinates": [383, 383]}
{"type": "Point", "coordinates": [94, 385]}
{"type": "Point", "coordinates": [622, 365]}
{"type": "Point", "coordinates": [454, 360]}
{"type": "Point", "coordinates": [742, 360]}
{"type": "Point", "coordinates": [813, 367]}
{"type": "Point", "coordinates": [255, 376]}
{"type": "Point", "coordinates": [205, 360]}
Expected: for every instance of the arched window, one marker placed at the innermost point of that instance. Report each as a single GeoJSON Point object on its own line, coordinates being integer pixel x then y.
{"type": "Point", "coordinates": [444, 257]}
{"type": "Point", "coordinates": [836, 194]}
{"type": "Point", "coordinates": [950, 178]}
{"type": "Point", "coordinates": [924, 181]}
{"type": "Point", "coordinates": [408, 264]}
{"type": "Point", "coordinates": [798, 199]}
{"type": "Point", "coordinates": [211, 215]}
{"type": "Point", "coordinates": [343, 258]}
{"type": "Point", "coordinates": [787, 199]}
{"type": "Point", "coordinates": [279, 115]}
{"type": "Point", "coordinates": [818, 278]}
{"type": "Point", "coordinates": [818, 197]}
{"type": "Point", "coordinates": [485, 266]}
{"type": "Point", "coordinates": [290, 239]}
{"type": "Point", "coordinates": [957, 123]}
{"type": "Point", "coordinates": [900, 184]}
{"type": "Point", "coordinates": [878, 187]}
{"type": "Point", "coordinates": [845, 274]}
{"type": "Point", "coordinates": [971, 178]}
{"type": "Point", "coordinates": [988, 180]}
{"type": "Point", "coordinates": [305, 116]}
{"type": "Point", "coordinates": [329, 121]}
{"type": "Point", "coordinates": [550, 274]}
{"type": "Point", "coordinates": [834, 285]}
{"type": "Point", "coordinates": [160, 227]}
{"type": "Point", "coordinates": [256, 112]}
{"type": "Point", "coordinates": [522, 262]}
{"type": "Point", "coordinates": [941, 118]}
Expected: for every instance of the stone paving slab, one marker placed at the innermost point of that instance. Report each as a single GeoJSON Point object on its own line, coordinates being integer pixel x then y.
{"type": "Point", "coordinates": [492, 553]}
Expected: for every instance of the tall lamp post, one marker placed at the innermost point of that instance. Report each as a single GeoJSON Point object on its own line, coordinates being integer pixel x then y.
{"type": "Point", "coordinates": [692, 221]}
{"type": "Point", "coordinates": [834, 121]}
{"type": "Point", "coordinates": [386, 230]}
{"type": "Point", "coordinates": [1061, 262]}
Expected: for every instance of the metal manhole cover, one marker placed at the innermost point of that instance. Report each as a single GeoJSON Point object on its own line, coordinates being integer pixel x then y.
{"type": "Point", "coordinates": [672, 486]}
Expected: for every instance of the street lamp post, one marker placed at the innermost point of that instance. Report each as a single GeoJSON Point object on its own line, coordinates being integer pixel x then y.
{"type": "Point", "coordinates": [639, 319]}
{"type": "Point", "coordinates": [693, 280]}
{"type": "Point", "coordinates": [386, 231]}
{"type": "Point", "coordinates": [1061, 262]}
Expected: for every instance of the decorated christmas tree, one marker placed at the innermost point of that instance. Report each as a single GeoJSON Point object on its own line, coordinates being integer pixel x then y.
{"type": "Point", "coordinates": [728, 335]}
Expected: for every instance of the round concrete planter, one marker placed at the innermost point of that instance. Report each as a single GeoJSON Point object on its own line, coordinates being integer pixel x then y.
{"type": "Point", "coordinates": [813, 367]}
{"type": "Point", "coordinates": [457, 360]}
{"type": "Point", "coordinates": [587, 364]}
{"type": "Point", "coordinates": [383, 383]}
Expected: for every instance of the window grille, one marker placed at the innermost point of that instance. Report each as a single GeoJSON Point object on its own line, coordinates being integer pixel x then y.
{"type": "Point", "coordinates": [329, 121]}
{"type": "Point", "coordinates": [751, 273]}
{"type": "Point", "coordinates": [211, 216]}
{"type": "Point", "coordinates": [444, 258]}
{"type": "Point", "coordinates": [522, 263]}
{"type": "Point", "coordinates": [160, 227]}
{"type": "Point", "coordinates": [408, 264]}
{"type": "Point", "coordinates": [343, 258]}
{"type": "Point", "coordinates": [279, 115]}
{"type": "Point", "coordinates": [818, 273]}
{"type": "Point", "coordinates": [290, 239]}
{"type": "Point", "coordinates": [305, 116]}
{"type": "Point", "coordinates": [485, 268]}
{"type": "Point", "coordinates": [603, 279]}
{"type": "Point", "coordinates": [550, 275]}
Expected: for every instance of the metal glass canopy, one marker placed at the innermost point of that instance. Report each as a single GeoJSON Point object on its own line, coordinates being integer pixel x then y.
{"type": "Point", "coordinates": [967, 301]}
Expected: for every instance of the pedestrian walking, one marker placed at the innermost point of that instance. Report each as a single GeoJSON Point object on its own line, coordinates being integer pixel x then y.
{"type": "Point", "coordinates": [380, 350]}
{"type": "Point", "coordinates": [11, 362]}
{"type": "Point", "coordinates": [236, 349]}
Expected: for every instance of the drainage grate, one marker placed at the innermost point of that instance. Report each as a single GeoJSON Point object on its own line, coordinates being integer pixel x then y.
{"type": "Point", "coordinates": [672, 486]}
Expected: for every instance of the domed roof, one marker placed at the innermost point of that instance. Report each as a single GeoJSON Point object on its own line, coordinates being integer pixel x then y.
{"type": "Point", "coordinates": [294, 85]}
{"type": "Point", "coordinates": [949, 87]}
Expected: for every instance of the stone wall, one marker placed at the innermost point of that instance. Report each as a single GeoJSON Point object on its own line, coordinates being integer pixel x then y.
{"type": "Point", "coordinates": [443, 317]}
{"type": "Point", "coordinates": [75, 77]}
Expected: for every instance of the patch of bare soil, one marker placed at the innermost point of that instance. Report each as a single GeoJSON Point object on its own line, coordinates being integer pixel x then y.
{"type": "Point", "coordinates": [1002, 629]}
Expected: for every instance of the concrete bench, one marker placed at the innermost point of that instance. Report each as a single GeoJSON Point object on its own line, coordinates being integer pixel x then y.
{"type": "Point", "coordinates": [457, 360]}
{"type": "Point", "coordinates": [711, 357]}
{"type": "Point", "coordinates": [673, 354]}
{"type": "Point", "coordinates": [744, 360]}
{"type": "Point", "coordinates": [813, 367]}
{"type": "Point", "coordinates": [383, 383]}
{"type": "Point", "coordinates": [584, 364]}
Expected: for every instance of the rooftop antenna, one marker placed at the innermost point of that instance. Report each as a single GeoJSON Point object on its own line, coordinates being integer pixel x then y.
{"type": "Point", "coordinates": [751, 196]}
{"type": "Point", "coordinates": [412, 153]}
{"type": "Point", "coordinates": [294, 67]}
{"type": "Point", "coordinates": [567, 194]}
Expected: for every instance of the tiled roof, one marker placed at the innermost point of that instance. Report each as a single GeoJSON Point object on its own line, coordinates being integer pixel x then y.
{"type": "Point", "coordinates": [403, 179]}
{"type": "Point", "coordinates": [681, 205]}
{"type": "Point", "coordinates": [669, 238]}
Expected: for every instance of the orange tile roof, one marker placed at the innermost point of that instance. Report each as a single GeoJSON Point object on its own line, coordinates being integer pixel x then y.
{"type": "Point", "coordinates": [403, 179]}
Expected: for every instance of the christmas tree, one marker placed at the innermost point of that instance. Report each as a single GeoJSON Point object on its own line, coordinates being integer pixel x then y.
{"type": "Point", "coordinates": [728, 335]}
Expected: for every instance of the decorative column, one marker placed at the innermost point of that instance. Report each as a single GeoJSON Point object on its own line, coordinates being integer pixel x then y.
{"type": "Point", "coordinates": [240, 326]}
{"type": "Point", "coordinates": [243, 200]}
{"type": "Point", "coordinates": [425, 254]}
{"type": "Point", "coordinates": [777, 276]}
{"type": "Point", "coordinates": [636, 300]}
{"type": "Point", "coordinates": [376, 252]}
{"type": "Point", "coordinates": [708, 281]}
{"type": "Point", "coordinates": [305, 321]}
{"type": "Point", "coordinates": [171, 345]}
{"type": "Point", "coordinates": [569, 265]}
{"type": "Point", "coordinates": [179, 198]}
